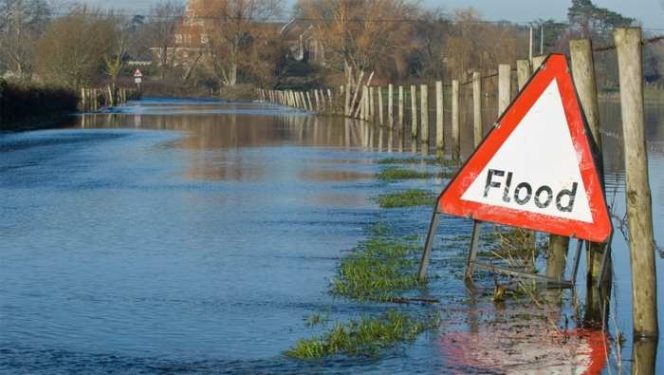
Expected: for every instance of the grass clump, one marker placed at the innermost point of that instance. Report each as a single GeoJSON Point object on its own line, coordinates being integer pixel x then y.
{"type": "Point", "coordinates": [396, 173]}
{"type": "Point", "coordinates": [364, 337]}
{"type": "Point", "coordinates": [406, 198]}
{"type": "Point", "coordinates": [420, 160]}
{"type": "Point", "coordinates": [376, 269]}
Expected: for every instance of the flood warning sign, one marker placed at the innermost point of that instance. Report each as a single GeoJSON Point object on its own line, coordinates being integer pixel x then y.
{"type": "Point", "coordinates": [535, 169]}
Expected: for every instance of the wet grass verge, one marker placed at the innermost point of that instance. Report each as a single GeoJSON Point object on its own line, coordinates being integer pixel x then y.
{"type": "Point", "coordinates": [406, 198]}
{"type": "Point", "coordinates": [391, 174]}
{"type": "Point", "coordinates": [377, 268]}
{"type": "Point", "coordinates": [367, 336]}
{"type": "Point", "coordinates": [420, 160]}
{"type": "Point", "coordinates": [396, 173]}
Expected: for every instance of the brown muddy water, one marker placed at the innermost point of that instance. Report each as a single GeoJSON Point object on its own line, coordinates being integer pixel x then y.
{"type": "Point", "coordinates": [197, 236]}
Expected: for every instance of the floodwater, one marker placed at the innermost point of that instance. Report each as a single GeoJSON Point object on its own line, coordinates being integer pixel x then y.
{"type": "Point", "coordinates": [197, 236]}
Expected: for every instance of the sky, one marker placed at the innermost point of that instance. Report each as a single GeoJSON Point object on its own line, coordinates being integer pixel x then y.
{"type": "Point", "coordinates": [649, 12]}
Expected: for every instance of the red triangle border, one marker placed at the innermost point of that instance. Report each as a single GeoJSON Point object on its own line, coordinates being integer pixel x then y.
{"type": "Point", "coordinates": [450, 202]}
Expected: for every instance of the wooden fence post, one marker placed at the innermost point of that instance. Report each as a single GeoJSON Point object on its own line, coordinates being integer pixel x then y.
{"type": "Point", "coordinates": [537, 61]}
{"type": "Point", "coordinates": [379, 91]}
{"type": "Point", "coordinates": [311, 107]}
{"type": "Point", "coordinates": [504, 87]}
{"type": "Point", "coordinates": [362, 107]}
{"type": "Point", "coordinates": [413, 111]}
{"type": "Point", "coordinates": [558, 245]}
{"type": "Point", "coordinates": [456, 130]}
{"type": "Point", "coordinates": [637, 189]}
{"type": "Point", "coordinates": [402, 123]}
{"type": "Point", "coordinates": [478, 132]}
{"type": "Point", "coordinates": [358, 86]}
{"type": "Point", "coordinates": [372, 105]}
{"type": "Point", "coordinates": [522, 72]}
{"type": "Point", "coordinates": [440, 135]}
{"type": "Point", "coordinates": [390, 107]}
{"type": "Point", "coordinates": [347, 99]}
{"type": "Point", "coordinates": [424, 109]}
{"type": "Point", "coordinates": [583, 71]}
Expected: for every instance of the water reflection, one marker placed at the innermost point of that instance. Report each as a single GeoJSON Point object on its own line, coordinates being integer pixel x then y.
{"type": "Point", "coordinates": [644, 356]}
{"type": "Point", "coordinates": [224, 131]}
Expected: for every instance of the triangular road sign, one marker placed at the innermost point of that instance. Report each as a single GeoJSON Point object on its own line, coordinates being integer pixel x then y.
{"type": "Point", "coordinates": [535, 169]}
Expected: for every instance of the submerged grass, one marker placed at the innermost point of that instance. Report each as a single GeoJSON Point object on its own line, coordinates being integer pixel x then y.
{"type": "Point", "coordinates": [376, 269]}
{"type": "Point", "coordinates": [419, 160]}
{"type": "Point", "coordinates": [396, 173]}
{"type": "Point", "coordinates": [406, 198]}
{"type": "Point", "coordinates": [364, 337]}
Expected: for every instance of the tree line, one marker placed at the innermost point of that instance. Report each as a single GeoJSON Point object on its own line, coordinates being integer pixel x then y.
{"type": "Point", "coordinates": [211, 44]}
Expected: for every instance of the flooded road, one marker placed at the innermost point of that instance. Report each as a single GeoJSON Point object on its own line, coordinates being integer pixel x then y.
{"type": "Point", "coordinates": [196, 236]}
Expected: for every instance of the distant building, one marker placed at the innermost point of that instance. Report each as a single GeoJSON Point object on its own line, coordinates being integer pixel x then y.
{"type": "Point", "coordinates": [202, 17]}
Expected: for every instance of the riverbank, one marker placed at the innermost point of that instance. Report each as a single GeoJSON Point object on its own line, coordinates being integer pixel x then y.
{"type": "Point", "coordinates": [29, 106]}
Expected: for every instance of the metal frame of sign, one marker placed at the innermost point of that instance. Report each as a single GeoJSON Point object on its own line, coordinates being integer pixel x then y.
{"type": "Point", "coordinates": [554, 67]}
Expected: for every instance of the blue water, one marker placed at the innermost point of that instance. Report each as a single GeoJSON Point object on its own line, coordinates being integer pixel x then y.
{"type": "Point", "coordinates": [196, 236]}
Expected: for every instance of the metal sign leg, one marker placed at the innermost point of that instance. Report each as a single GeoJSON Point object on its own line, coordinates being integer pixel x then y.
{"type": "Point", "coordinates": [577, 256]}
{"type": "Point", "coordinates": [426, 254]}
{"type": "Point", "coordinates": [606, 258]}
{"type": "Point", "coordinates": [472, 252]}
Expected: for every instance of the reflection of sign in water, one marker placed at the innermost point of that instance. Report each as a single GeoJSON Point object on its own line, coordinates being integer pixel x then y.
{"type": "Point", "coordinates": [138, 77]}
{"type": "Point", "coordinates": [535, 169]}
{"type": "Point", "coordinates": [540, 350]}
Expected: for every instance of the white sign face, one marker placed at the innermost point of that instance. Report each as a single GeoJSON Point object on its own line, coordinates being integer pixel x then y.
{"type": "Point", "coordinates": [138, 80]}
{"type": "Point", "coordinates": [537, 168]}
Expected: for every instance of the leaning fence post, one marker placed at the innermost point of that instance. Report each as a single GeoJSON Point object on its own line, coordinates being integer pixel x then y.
{"type": "Point", "coordinates": [440, 136]}
{"type": "Point", "coordinates": [477, 108]}
{"type": "Point", "coordinates": [311, 106]}
{"type": "Point", "coordinates": [637, 189]}
{"type": "Point", "coordinates": [424, 109]}
{"type": "Point", "coordinates": [456, 130]}
{"type": "Point", "coordinates": [317, 101]}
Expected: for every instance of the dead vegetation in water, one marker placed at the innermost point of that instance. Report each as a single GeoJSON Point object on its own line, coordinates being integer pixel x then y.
{"type": "Point", "coordinates": [520, 250]}
{"type": "Point", "coordinates": [516, 247]}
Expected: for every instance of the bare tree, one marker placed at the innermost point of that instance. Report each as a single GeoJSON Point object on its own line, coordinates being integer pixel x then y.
{"type": "Point", "coordinates": [116, 56]}
{"type": "Point", "coordinates": [162, 25]}
{"type": "Point", "coordinates": [21, 23]}
{"type": "Point", "coordinates": [72, 50]}
{"type": "Point", "coordinates": [234, 28]}
{"type": "Point", "coordinates": [363, 35]}
{"type": "Point", "coordinates": [473, 44]}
